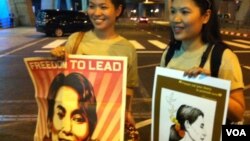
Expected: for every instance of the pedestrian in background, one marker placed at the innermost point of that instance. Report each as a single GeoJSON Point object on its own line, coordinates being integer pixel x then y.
{"type": "Point", "coordinates": [104, 40]}
{"type": "Point", "coordinates": [195, 30]}
{"type": "Point", "coordinates": [11, 15]}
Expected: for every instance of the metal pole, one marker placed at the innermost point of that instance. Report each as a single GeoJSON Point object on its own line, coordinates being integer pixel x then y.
{"type": "Point", "coordinates": [166, 9]}
{"type": "Point", "coordinates": [84, 5]}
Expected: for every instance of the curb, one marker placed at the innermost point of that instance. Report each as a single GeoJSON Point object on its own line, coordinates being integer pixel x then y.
{"type": "Point", "coordinates": [233, 33]}
{"type": "Point", "coordinates": [222, 31]}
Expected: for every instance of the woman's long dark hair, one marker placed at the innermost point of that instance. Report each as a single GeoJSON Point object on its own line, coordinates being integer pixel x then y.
{"type": "Point", "coordinates": [184, 113]}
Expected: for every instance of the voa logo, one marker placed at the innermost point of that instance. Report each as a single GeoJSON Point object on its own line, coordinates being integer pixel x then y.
{"type": "Point", "coordinates": [236, 132]}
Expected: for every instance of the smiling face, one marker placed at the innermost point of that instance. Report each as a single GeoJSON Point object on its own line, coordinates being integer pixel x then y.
{"type": "Point", "coordinates": [103, 14]}
{"type": "Point", "coordinates": [69, 121]}
{"type": "Point", "coordinates": [186, 20]}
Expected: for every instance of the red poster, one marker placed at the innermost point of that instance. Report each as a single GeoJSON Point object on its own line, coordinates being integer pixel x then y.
{"type": "Point", "coordinates": [79, 99]}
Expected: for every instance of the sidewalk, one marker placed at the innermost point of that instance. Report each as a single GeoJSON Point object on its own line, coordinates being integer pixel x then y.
{"type": "Point", "coordinates": [12, 37]}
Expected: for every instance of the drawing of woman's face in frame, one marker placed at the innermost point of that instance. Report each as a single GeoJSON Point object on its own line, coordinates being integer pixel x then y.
{"type": "Point", "coordinates": [196, 130]}
{"type": "Point", "coordinates": [69, 121]}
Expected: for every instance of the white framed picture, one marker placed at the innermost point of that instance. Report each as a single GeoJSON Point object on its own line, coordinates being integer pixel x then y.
{"type": "Point", "coordinates": [186, 108]}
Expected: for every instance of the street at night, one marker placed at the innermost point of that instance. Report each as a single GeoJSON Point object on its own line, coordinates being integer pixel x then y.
{"type": "Point", "coordinates": [18, 108]}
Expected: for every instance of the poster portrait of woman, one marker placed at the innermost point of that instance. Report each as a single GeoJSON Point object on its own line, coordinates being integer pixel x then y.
{"type": "Point", "coordinates": [79, 99]}
{"type": "Point", "coordinates": [188, 125]}
{"type": "Point", "coordinates": [71, 108]}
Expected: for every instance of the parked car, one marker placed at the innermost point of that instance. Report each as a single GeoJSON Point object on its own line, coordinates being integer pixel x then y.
{"type": "Point", "coordinates": [60, 22]}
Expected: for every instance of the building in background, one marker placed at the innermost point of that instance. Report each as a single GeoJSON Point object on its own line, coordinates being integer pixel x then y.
{"type": "Point", "coordinates": [16, 13]}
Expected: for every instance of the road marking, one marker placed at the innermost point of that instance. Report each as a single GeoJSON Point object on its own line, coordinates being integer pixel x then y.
{"type": "Point", "coordinates": [247, 113]}
{"type": "Point", "coordinates": [237, 44]}
{"type": "Point", "coordinates": [148, 66]}
{"type": "Point", "coordinates": [23, 117]}
{"type": "Point", "coordinates": [247, 87]}
{"type": "Point", "coordinates": [245, 35]}
{"type": "Point", "coordinates": [21, 48]}
{"type": "Point", "coordinates": [150, 52]}
{"type": "Point", "coordinates": [246, 67]}
{"type": "Point", "coordinates": [55, 43]}
{"type": "Point", "coordinates": [16, 101]}
{"type": "Point", "coordinates": [136, 44]}
{"type": "Point", "coordinates": [149, 100]}
{"type": "Point", "coordinates": [11, 124]}
{"type": "Point", "coordinates": [157, 43]}
{"type": "Point", "coordinates": [42, 51]}
{"type": "Point", "coordinates": [161, 22]}
{"type": "Point", "coordinates": [139, 52]}
{"type": "Point", "coordinates": [31, 117]}
{"type": "Point", "coordinates": [159, 36]}
{"type": "Point", "coordinates": [241, 51]}
{"type": "Point", "coordinates": [242, 41]}
{"type": "Point", "coordinates": [233, 33]}
{"type": "Point", "coordinates": [143, 123]}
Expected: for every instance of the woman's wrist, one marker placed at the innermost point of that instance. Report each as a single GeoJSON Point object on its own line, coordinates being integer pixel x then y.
{"type": "Point", "coordinates": [128, 103]}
